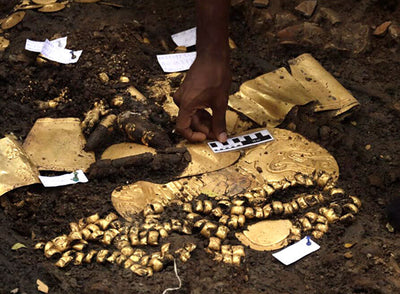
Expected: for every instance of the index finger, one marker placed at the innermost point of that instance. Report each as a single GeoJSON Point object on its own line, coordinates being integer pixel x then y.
{"type": "Point", "coordinates": [183, 126]}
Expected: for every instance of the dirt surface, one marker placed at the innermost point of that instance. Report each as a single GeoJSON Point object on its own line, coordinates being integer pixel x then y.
{"type": "Point", "coordinates": [365, 143]}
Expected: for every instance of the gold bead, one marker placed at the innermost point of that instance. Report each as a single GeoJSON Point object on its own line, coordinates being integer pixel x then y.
{"type": "Point", "coordinates": [207, 206]}
{"type": "Point", "coordinates": [237, 210]}
{"type": "Point", "coordinates": [152, 238]}
{"type": "Point", "coordinates": [92, 219]}
{"type": "Point", "coordinates": [356, 201]}
{"type": "Point", "coordinates": [222, 232]}
{"type": "Point", "coordinates": [277, 207]}
{"type": "Point", "coordinates": [214, 244]}
{"type": "Point", "coordinates": [101, 255]}
{"type": "Point", "coordinates": [249, 212]}
{"type": "Point", "coordinates": [350, 207]}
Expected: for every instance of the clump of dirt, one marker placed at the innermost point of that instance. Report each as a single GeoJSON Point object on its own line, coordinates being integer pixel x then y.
{"type": "Point", "coordinates": [364, 142]}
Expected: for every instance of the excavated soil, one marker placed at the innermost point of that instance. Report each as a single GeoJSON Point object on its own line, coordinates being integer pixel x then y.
{"type": "Point", "coordinates": [365, 142]}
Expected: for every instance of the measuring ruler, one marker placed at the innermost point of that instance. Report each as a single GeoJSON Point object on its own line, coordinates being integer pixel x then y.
{"type": "Point", "coordinates": [241, 141]}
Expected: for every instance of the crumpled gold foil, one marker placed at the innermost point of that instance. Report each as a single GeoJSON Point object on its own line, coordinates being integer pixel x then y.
{"type": "Point", "coordinates": [266, 235]}
{"type": "Point", "coordinates": [321, 85]}
{"type": "Point", "coordinates": [277, 161]}
{"type": "Point", "coordinates": [126, 149]}
{"type": "Point", "coordinates": [268, 98]}
{"type": "Point", "coordinates": [57, 144]}
{"type": "Point", "coordinates": [16, 170]}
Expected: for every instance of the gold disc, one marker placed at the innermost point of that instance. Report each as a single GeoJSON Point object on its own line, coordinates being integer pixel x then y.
{"type": "Point", "coordinates": [266, 235]}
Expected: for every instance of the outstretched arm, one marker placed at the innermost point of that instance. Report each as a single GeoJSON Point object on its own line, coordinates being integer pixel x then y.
{"type": "Point", "coordinates": [208, 81]}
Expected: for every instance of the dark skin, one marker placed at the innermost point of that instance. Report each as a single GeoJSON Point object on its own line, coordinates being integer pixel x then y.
{"type": "Point", "coordinates": [208, 81]}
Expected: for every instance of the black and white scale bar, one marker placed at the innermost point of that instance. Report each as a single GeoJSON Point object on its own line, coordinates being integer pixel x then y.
{"type": "Point", "coordinates": [241, 141]}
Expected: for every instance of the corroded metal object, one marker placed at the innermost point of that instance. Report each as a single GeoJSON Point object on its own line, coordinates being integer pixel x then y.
{"type": "Point", "coordinates": [57, 144]}
{"type": "Point", "coordinates": [16, 169]}
{"type": "Point", "coordinates": [262, 170]}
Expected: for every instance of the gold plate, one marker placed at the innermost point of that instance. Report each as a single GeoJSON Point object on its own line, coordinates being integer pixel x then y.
{"type": "Point", "coordinates": [205, 160]}
{"type": "Point", "coordinates": [126, 149]}
{"type": "Point", "coordinates": [57, 144]}
{"type": "Point", "coordinates": [288, 154]}
{"type": "Point", "coordinates": [13, 20]}
{"type": "Point", "coordinates": [268, 98]}
{"type": "Point", "coordinates": [26, 7]}
{"type": "Point", "coordinates": [273, 162]}
{"type": "Point", "coordinates": [320, 84]}
{"type": "Point", "coordinates": [4, 43]}
{"type": "Point", "coordinates": [44, 2]}
{"type": "Point", "coordinates": [54, 7]}
{"type": "Point", "coordinates": [266, 235]}
{"type": "Point", "coordinates": [16, 170]}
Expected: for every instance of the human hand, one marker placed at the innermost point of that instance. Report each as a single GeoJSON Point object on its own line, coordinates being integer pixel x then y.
{"type": "Point", "coordinates": [206, 86]}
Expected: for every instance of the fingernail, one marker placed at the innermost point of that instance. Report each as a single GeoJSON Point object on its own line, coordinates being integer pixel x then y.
{"type": "Point", "coordinates": [222, 137]}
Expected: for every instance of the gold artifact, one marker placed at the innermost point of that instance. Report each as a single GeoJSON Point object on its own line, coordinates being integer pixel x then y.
{"type": "Point", "coordinates": [268, 98]}
{"type": "Point", "coordinates": [126, 149]}
{"type": "Point", "coordinates": [12, 20]}
{"type": "Point", "coordinates": [4, 43]}
{"type": "Point", "coordinates": [321, 85]}
{"type": "Point", "coordinates": [263, 169]}
{"type": "Point", "coordinates": [44, 2]}
{"type": "Point", "coordinates": [53, 7]}
{"type": "Point", "coordinates": [57, 144]}
{"type": "Point", "coordinates": [16, 169]}
{"type": "Point", "coordinates": [266, 235]}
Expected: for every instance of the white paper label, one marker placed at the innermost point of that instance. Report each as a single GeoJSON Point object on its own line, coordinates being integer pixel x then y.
{"type": "Point", "coordinates": [64, 180]}
{"type": "Point", "coordinates": [176, 62]}
{"type": "Point", "coordinates": [37, 46]}
{"type": "Point", "coordinates": [186, 38]}
{"type": "Point", "coordinates": [296, 251]}
{"type": "Point", "coordinates": [61, 55]}
{"type": "Point", "coordinates": [242, 141]}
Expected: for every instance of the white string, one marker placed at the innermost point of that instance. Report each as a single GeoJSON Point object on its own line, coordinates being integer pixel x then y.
{"type": "Point", "coordinates": [179, 279]}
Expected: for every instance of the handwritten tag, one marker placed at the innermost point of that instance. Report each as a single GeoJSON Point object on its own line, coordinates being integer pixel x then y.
{"type": "Point", "coordinates": [186, 38]}
{"type": "Point", "coordinates": [296, 251]}
{"type": "Point", "coordinates": [61, 55]}
{"type": "Point", "coordinates": [176, 62]}
{"type": "Point", "coordinates": [37, 46]}
{"type": "Point", "coordinates": [64, 180]}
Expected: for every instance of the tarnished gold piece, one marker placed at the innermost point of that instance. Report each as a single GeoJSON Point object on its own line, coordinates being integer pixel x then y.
{"type": "Point", "coordinates": [266, 235]}
{"type": "Point", "coordinates": [16, 169]}
{"type": "Point", "coordinates": [53, 7]}
{"type": "Point", "coordinates": [4, 43]}
{"type": "Point", "coordinates": [12, 20]}
{"type": "Point", "coordinates": [57, 144]}
{"type": "Point", "coordinates": [320, 84]}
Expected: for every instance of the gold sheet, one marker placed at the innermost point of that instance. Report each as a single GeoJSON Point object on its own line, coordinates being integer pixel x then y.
{"type": "Point", "coordinates": [57, 144]}
{"type": "Point", "coordinates": [16, 170]}
{"type": "Point", "coordinates": [273, 162]}
{"type": "Point", "coordinates": [266, 235]}
{"type": "Point", "coordinates": [321, 85]}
